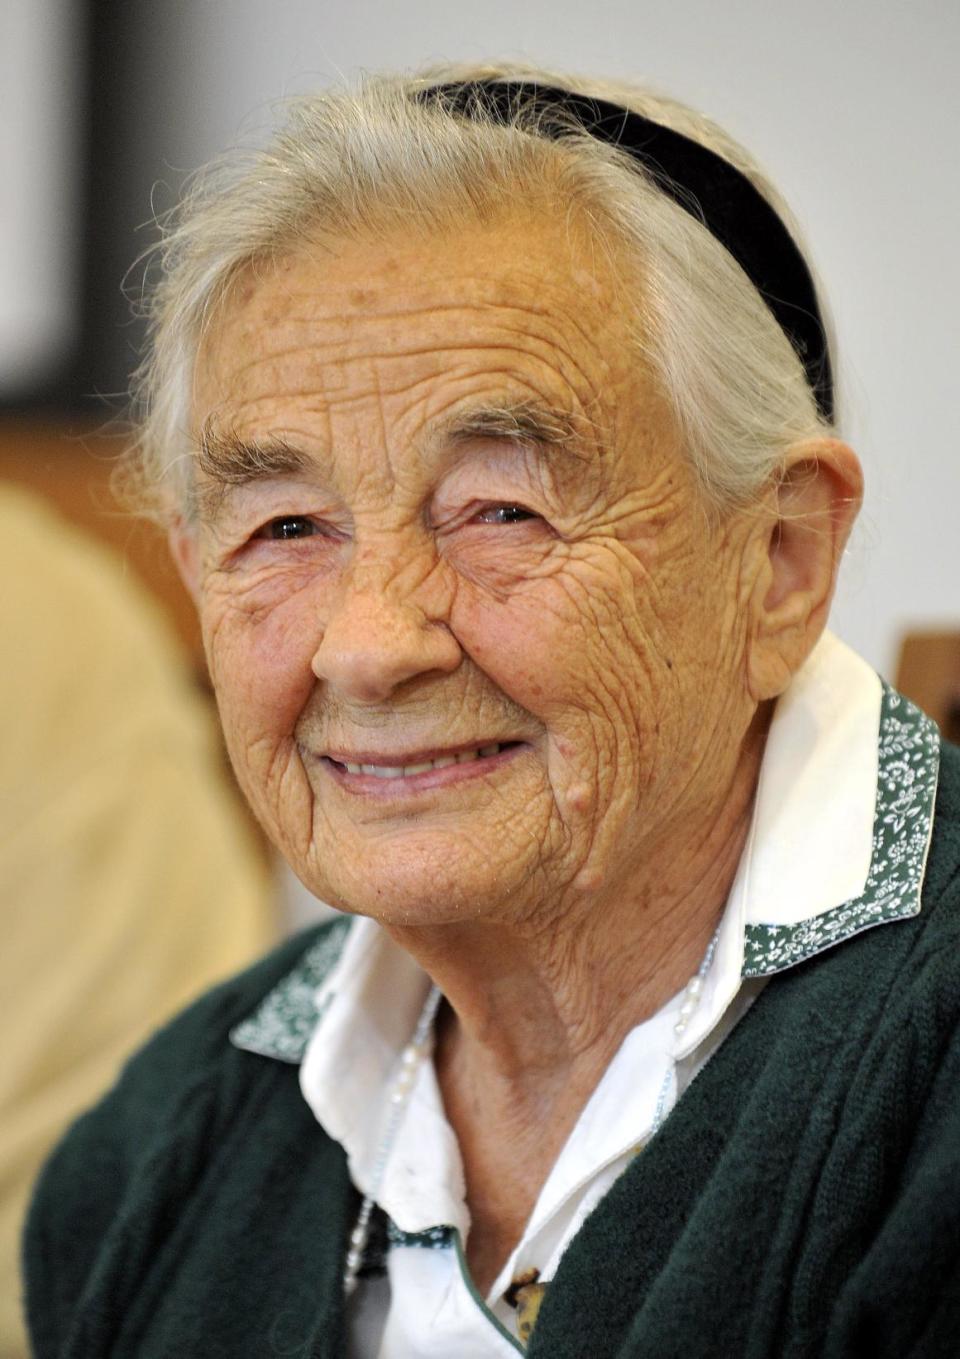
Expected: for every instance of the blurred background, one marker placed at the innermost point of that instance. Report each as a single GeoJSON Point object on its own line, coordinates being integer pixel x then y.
{"type": "Point", "coordinates": [129, 874]}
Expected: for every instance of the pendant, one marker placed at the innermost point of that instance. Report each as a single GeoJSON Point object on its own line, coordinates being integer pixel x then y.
{"type": "Point", "coordinates": [526, 1295]}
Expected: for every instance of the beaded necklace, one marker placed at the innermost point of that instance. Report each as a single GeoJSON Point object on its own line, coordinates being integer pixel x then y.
{"type": "Point", "coordinates": [409, 1064]}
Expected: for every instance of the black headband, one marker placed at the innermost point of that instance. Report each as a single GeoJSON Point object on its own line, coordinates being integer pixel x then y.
{"type": "Point", "coordinates": [702, 183]}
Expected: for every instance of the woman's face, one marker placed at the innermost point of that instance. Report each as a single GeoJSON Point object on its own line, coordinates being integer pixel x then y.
{"type": "Point", "coordinates": [476, 647]}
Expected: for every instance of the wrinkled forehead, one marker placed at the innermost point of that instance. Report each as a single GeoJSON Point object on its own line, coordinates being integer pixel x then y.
{"type": "Point", "coordinates": [406, 330]}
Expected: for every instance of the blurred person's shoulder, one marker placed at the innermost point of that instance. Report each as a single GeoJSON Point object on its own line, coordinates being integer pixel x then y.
{"type": "Point", "coordinates": [95, 675]}
{"type": "Point", "coordinates": [60, 581]}
{"type": "Point", "coordinates": [89, 646]}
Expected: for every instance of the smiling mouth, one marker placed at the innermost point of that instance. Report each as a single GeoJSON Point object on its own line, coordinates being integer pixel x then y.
{"type": "Point", "coordinates": [420, 766]}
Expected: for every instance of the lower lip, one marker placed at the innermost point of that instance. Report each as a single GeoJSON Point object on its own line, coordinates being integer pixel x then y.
{"type": "Point", "coordinates": [370, 786]}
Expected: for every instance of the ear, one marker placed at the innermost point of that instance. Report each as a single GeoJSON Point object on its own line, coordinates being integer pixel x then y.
{"type": "Point", "coordinates": [816, 502]}
{"type": "Point", "coordinates": [185, 550]}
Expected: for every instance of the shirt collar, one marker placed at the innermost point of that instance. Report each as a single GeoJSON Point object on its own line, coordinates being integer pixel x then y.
{"type": "Point", "coordinates": [844, 813]}
{"type": "Point", "coordinates": [838, 844]}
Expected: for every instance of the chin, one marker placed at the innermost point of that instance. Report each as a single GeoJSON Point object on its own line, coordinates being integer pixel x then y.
{"type": "Point", "coordinates": [435, 880]}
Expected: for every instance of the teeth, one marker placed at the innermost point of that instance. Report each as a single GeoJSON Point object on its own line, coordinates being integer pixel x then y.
{"type": "Point", "coordinates": [406, 771]}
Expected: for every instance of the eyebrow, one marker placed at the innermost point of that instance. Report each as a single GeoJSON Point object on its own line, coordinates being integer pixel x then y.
{"type": "Point", "coordinates": [227, 461]}
{"type": "Point", "coordinates": [529, 424]}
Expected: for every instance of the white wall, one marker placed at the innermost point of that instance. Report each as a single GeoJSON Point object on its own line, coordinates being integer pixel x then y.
{"type": "Point", "coordinates": [39, 167]}
{"type": "Point", "coordinates": [851, 104]}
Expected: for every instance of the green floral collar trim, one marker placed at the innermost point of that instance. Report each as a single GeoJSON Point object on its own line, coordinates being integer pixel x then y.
{"type": "Point", "coordinates": [908, 767]}
{"type": "Point", "coordinates": [909, 761]}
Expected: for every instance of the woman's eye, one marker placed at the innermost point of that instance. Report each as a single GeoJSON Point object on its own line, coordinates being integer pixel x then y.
{"type": "Point", "coordinates": [288, 526]}
{"type": "Point", "coordinates": [504, 514]}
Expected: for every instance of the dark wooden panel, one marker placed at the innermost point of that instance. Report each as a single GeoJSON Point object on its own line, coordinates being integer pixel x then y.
{"type": "Point", "coordinates": [929, 673]}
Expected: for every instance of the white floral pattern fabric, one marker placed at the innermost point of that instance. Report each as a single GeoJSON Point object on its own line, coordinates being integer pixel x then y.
{"type": "Point", "coordinates": [909, 761]}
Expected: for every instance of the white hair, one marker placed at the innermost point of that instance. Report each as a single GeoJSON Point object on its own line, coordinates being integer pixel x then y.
{"type": "Point", "coordinates": [361, 161]}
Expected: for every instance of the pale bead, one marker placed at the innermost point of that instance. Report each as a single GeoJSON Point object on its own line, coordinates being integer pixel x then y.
{"type": "Point", "coordinates": [695, 987]}
{"type": "Point", "coordinates": [405, 1078]}
{"type": "Point", "coordinates": [680, 1027]}
{"type": "Point", "coordinates": [688, 1008]}
{"type": "Point", "coordinates": [358, 1237]}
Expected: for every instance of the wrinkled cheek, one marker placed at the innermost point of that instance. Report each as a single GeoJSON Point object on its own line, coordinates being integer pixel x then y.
{"type": "Point", "coordinates": [518, 643]}
{"type": "Point", "coordinates": [262, 684]}
{"type": "Point", "coordinates": [544, 650]}
{"type": "Point", "coordinates": [612, 732]}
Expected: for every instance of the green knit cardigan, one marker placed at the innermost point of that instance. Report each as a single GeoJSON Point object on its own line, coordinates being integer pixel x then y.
{"type": "Point", "coordinates": [803, 1199]}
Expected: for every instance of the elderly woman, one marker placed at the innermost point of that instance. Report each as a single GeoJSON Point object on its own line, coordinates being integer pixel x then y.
{"type": "Point", "coordinates": [492, 418]}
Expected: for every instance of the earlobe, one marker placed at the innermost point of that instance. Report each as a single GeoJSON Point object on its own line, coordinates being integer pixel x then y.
{"type": "Point", "coordinates": [817, 499]}
{"type": "Point", "coordinates": [185, 550]}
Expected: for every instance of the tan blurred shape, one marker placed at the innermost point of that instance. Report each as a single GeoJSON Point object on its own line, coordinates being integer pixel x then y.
{"type": "Point", "coordinates": [129, 877]}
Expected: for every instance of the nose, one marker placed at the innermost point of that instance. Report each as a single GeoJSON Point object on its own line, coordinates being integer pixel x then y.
{"type": "Point", "coordinates": [380, 633]}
